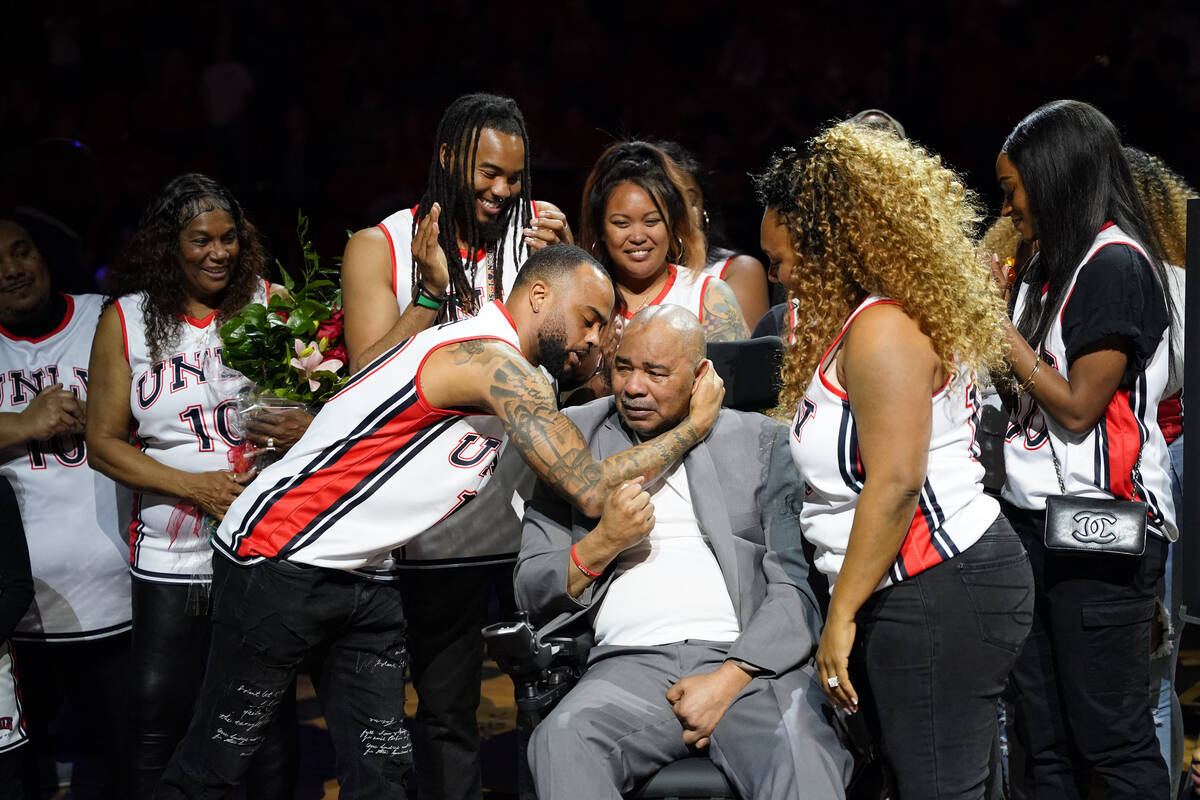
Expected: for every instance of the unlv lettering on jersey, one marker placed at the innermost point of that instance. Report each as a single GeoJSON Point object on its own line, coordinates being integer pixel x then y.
{"type": "Point", "coordinates": [472, 449]}
{"type": "Point", "coordinates": [182, 372]}
{"type": "Point", "coordinates": [25, 388]}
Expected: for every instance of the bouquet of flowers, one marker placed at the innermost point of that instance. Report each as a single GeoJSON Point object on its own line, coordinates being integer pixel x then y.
{"type": "Point", "coordinates": [292, 347]}
{"type": "Point", "coordinates": [288, 353]}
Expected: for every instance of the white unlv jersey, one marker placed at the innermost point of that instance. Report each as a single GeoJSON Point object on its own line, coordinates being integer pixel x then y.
{"type": "Point", "coordinates": [177, 424]}
{"type": "Point", "coordinates": [1100, 462]}
{"type": "Point", "coordinates": [512, 252]}
{"type": "Point", "coordinates": [70, 512]}
{"type": "Point", "coordinates": [13, 732]}
{"type": "Point", "coordinates": [377, 467]}
{"type": "Point", "coordinates": [953, 511]}
{"type": "Point", "coordinates": [683, 288]}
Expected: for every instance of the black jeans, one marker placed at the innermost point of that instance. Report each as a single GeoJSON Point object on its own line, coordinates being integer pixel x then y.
{"type": "Point", "coordinates": [170, 649]}
{"type": "Point", "coordinates": [267, 619]}
{"type": "Point", "coordinates": [446, 610]}
{"type": "Point", "coordinates": [86, 682]}
{"type": "Point", "coordinates": [12, 765]}
{"type": "Point", "coordinates": [1081, 684]}
{"type": "Point", "coordinates": [936, 651]}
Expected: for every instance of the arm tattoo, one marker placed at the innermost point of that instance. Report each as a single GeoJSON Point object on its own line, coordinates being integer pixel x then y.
{"type": "Point", "coordinates": [556, 450]}
{"type": "Point", "coordinates": [467, 351]}
{"type": "Point", "coordinates": [723, 320]}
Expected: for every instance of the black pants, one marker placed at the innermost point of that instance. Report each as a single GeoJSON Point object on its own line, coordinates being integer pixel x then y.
{"type": "Point", "coordinates": [86, 682]}
{"type": "Point", "coordinates": [267, 620]}
{"type": "Point", "coordinates": [170, 649]}
{"type": "Point", "coordinates": [1081, 683]}
{"type": "Point", "coordinates": [931, 659]}
{"type": "Point", "coordinates": [446, 610]}
{"type": "Point", "coordinates": [12, 765]}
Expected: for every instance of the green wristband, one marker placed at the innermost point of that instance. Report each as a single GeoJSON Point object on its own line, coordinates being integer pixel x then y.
{"type": "Point", "coordinates": [425, 302]}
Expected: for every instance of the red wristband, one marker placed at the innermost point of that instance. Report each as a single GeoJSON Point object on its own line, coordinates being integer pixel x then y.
{"type": "Point", "coordinates": [579, 564]}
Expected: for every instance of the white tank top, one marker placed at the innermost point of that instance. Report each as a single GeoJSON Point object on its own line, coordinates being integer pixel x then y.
{"type": "Point", "coordinates": [176, 424]}
{"type": "Point", "coordinates": [683, 288]}
{"type": "Point", "coordinates": [716, 268]}
{"type": "Point", "coordinates": [399, 229]}
{"type": "Point", "coordinates": [70, 512]}
{"type": "Point", "coordinates": [377, 467]}
{"type": "Point", "coordinates": [1099, 463]}
{"type": "Point", "coordinates": [953, 511]}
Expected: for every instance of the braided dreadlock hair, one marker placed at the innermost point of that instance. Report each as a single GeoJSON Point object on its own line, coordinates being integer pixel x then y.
{"type": "Point", "coordinates": [452, 186]}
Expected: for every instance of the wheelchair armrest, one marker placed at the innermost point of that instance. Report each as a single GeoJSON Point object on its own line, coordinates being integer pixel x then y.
{"type": "Point", "coordinates": [542, 670]}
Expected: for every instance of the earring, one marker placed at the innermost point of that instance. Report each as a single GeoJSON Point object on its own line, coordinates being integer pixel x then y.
{"type": "Point", "coordinates": [707, 221]}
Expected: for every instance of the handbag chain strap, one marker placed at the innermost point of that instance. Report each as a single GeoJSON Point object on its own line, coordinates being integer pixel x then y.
{"type": "Point", "coordinates": [1135, 474]}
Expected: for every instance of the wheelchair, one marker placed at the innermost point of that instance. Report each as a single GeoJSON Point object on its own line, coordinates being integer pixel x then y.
{"type": "Point", "coordinates": [543, 671]}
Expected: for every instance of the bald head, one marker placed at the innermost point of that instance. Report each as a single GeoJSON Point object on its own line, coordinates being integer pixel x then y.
{"type": "Point", "coordinates": [673, 323]}
{"type": "Point", "coordinates": [656, 367]}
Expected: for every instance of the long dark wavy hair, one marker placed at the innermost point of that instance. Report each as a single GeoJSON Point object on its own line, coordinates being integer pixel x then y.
{"type": "Point", "coordinates": [646, 166]}
{"type": "Point", "coordinates": [150, 263]}
{"type": "Point", "coordinates": [1076, 179]}
{"type": "Point", "coordinates": [452, 186]}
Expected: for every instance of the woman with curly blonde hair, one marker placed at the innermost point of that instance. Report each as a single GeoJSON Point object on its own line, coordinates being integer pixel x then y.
{"type": "Point", "coordinates": [932, 592]}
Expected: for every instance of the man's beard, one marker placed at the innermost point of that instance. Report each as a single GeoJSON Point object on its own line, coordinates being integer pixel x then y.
{"type": "Point", "coordinates": [553, 352]}
{"type": "Point", "coordinates": [488, 232]}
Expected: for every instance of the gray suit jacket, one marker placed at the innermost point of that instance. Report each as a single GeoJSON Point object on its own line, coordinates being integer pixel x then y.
{"type": "Point", "coordinates": [746, 493]}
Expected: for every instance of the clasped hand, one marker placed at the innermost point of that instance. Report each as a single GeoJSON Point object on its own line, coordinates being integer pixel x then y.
{"type": "Point", "coordinates": [700, 701]}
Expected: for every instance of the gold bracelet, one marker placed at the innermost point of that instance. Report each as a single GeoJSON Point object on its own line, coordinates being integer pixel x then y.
{"type": "Point", "coordinates": [1027, 384]}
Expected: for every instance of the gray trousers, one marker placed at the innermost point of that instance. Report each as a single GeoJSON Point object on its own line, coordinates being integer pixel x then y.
{"type": "Point", "coordinates": [615, 729]}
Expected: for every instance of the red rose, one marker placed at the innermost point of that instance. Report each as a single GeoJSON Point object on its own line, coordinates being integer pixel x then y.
{"type": "Point", "coordinates": [338, 352]}
{"type": "Point", "coordinates": [331, 328]}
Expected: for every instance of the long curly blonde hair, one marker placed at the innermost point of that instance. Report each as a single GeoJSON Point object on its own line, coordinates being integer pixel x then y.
{"type": "Point", "coordinates": [1164, 194]}
{"type": "Point", "coordinates": [1001, 238]}
{"type": "Point", "coordinates": [869, 213]}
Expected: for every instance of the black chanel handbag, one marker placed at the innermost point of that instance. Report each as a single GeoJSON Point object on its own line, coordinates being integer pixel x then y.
{"type": "Point", "coordinates": [1092, 525]}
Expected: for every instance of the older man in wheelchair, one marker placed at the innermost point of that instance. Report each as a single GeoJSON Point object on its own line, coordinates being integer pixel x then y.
{"type": "Point", "coordinates": [703, 633]}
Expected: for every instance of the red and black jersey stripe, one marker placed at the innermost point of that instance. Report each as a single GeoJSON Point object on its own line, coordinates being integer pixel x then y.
{"type": "Point", "coordinates": [337, 479]}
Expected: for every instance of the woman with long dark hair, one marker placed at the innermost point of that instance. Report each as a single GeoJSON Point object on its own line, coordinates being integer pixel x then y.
{"type": "Point", "coordinates": [932, 593]}
{"type": "Point", "coordinates": [1089, 359]}
{"type": "Point", "coordinates": [194, 261]}
{"type": "Point", "coordinates": [635, 221]}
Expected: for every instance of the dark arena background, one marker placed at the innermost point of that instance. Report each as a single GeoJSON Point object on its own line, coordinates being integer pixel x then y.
{"type": "Point", "coordinates": [330, 109]}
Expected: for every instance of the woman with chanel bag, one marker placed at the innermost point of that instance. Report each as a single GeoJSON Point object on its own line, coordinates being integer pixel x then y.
{"type": "Point", "coordinates": [1088, 487]}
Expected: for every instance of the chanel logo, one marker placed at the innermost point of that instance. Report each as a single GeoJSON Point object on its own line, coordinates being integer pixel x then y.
{"type": "Point", "coordinates": [1094, 528]}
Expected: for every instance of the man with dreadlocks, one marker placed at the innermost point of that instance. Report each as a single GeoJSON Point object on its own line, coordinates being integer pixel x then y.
{"type": "Point", "coordinates": [444, 259]}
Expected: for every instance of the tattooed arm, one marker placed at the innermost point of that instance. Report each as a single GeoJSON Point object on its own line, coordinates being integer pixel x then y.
{"type": "Point", "coordinates": [493, 377]}
{"type": "Point", "coordinates": [723, 320]}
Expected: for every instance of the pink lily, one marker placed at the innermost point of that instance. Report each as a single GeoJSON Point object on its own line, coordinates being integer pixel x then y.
{"type": "Point", "coordinates": [309, 359]}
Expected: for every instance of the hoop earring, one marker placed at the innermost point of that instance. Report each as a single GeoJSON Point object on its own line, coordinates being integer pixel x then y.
{"type": "Point", "coordinates": [679, 254]}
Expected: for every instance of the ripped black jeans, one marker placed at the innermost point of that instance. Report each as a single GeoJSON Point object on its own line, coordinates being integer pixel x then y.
{"type": "Point", "coordinates": [268, 620]}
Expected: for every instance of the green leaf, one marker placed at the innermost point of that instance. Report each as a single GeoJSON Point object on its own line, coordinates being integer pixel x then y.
{"type": "Point", "coordinates": [288, 283]}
